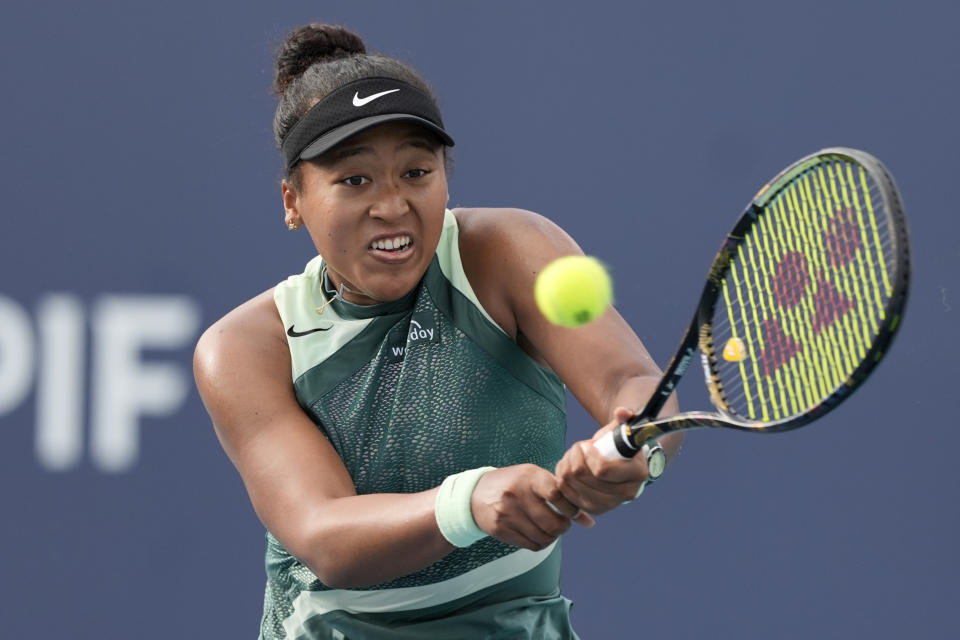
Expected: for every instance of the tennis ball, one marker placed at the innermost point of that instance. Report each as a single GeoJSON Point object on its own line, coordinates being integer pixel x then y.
{"type": "Point", "coordinates": [573, 290]}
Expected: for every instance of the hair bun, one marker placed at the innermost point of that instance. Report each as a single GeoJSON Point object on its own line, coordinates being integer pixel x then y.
{"type": "Point", "coordinates": [310, 44]}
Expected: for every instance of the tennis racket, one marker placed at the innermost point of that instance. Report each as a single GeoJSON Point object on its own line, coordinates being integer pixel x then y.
{"type": "Point", "coordinates": [800, 305]}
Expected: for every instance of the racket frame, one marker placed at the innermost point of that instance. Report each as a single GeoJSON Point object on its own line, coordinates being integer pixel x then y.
{"type": "Point", "coordinates": [630, 437]}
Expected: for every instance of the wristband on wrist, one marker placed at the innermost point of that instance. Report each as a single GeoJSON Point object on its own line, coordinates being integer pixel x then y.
{"type": "Point", "coordinates": [452, 508]}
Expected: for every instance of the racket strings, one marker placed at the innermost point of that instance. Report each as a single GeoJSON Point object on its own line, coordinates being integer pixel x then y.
{"type": "Point", "coordinates": [723, 323]}
{"type": "Point", "coordinates": [805, 293]}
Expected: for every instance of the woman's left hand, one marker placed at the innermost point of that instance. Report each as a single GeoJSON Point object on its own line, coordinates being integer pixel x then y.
{"type": "Point", "coordinates": [594, 483]}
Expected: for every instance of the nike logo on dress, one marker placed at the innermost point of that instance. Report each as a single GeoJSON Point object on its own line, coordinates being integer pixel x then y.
{"type": "Point", "coordinates": [359, 102]}
{"type": "Point", "coordinates": [300, 334]}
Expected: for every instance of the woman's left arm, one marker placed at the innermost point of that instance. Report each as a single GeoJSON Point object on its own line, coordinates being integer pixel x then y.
{"type": "Point", "coordinates": [603, 363]}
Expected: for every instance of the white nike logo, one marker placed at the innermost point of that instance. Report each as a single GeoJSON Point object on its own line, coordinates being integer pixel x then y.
{"type": "Point", "coordinates": [359, 102]}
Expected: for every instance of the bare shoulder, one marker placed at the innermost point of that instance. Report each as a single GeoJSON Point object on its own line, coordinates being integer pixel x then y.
{"type": "Point", "coordinates": [253, 326]}
{"type": "Point", "coordinates": [502, 250]}
{"type": "Point", "coordinates": [484, 226]}
{"type": "Point", "coordinates": [244, 349]}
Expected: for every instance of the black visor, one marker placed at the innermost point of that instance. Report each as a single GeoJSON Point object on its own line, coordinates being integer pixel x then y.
{"type": "Point", "coordinates": [355, 107]}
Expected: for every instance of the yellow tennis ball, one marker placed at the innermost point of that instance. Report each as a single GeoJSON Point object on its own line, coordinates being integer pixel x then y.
{"type": "Point", "coordinates": [573, 290]}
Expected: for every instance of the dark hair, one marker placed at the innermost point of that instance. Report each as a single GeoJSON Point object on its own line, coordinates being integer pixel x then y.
{"type": "Point", "coordinates": [318, 59]}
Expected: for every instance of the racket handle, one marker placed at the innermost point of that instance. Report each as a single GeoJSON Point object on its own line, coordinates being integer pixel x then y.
{"type": "Point", "coordinates": [615, 445]}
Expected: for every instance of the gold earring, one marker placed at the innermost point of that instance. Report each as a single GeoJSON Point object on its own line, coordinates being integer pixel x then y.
{"type": "Point", "coordinates": [292, 226]}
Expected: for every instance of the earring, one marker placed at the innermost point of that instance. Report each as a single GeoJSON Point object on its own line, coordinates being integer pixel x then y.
{"type": "Point", "coordinates": [292, 226]}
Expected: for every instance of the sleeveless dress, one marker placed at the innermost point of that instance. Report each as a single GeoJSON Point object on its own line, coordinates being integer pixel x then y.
{"type": "Point", "coordinates": [409, 392]}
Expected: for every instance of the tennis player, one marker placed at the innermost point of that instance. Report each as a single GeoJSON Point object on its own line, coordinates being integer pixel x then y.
{"type": "Point", "coordinates": [397, 410]}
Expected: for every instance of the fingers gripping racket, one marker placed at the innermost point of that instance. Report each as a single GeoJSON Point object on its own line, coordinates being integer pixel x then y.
{"type": "Point", "coordinates": [800, 304]}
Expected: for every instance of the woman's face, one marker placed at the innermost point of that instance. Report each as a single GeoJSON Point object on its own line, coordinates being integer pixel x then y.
{"type": "Point", "coordinates": [374, 208]}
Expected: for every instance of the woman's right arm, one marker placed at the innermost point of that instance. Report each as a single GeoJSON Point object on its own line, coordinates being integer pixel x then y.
{"type": "Point", "coordinates": [300, 488]}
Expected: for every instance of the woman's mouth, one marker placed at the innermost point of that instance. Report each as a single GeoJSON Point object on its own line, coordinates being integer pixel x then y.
{"type": "Point", "coordinates": [392, 248]}
{"type": "Point", "coordinates": [397, 243]}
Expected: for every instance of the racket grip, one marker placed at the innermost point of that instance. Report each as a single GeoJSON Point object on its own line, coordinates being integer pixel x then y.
{"type": "Point", "coordinates": [615, 445]}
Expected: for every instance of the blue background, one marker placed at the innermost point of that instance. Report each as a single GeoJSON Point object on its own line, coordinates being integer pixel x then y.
{"type": "Point", "coordinates": [136, 158]}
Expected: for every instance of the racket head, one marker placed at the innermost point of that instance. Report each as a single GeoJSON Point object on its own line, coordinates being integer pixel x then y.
{"type": "Point", "coordinates": [805, 295]}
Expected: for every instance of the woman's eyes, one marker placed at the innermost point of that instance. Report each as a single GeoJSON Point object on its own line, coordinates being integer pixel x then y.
{"type": "Point", "coordinates": [356, 181]}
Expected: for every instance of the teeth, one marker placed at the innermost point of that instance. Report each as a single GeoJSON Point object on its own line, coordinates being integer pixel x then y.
{"type": "Point", "coordinates": [390, 244]}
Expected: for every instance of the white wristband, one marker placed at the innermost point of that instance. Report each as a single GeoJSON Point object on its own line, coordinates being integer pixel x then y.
{"type": "Point", "coordinates": [452, 508]}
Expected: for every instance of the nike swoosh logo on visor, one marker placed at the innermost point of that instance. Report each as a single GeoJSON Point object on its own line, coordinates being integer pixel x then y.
{"type": "Point", "coordinates": [359, 102]}
{"type": "Point", "coordinates": [300, 334]}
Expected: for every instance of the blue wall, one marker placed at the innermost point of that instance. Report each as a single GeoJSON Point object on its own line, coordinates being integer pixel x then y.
{"type": "Point", "coordinates": [140, 202]}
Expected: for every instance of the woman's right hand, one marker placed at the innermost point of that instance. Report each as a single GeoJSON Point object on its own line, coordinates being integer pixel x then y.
{"type": "Point", "coordinates": [511, 505]}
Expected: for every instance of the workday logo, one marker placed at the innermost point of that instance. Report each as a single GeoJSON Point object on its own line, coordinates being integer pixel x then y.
{"type": "Point", "coordinates": [422, 328]}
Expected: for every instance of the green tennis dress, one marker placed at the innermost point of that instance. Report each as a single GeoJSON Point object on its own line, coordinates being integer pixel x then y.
{"type": "Point", "coordinates": [409, 392]}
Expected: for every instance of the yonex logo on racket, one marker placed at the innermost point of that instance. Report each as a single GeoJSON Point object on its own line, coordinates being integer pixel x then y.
{"type": "Point", "coordinates": [803, 298]}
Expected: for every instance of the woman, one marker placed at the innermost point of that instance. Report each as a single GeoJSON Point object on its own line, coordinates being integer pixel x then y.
{"type": "Point", "coordinates": [396, 410]}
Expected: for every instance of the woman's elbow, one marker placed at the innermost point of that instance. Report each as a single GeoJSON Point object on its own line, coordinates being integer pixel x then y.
{"type": "Point", "coordinates": [332, 564]}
